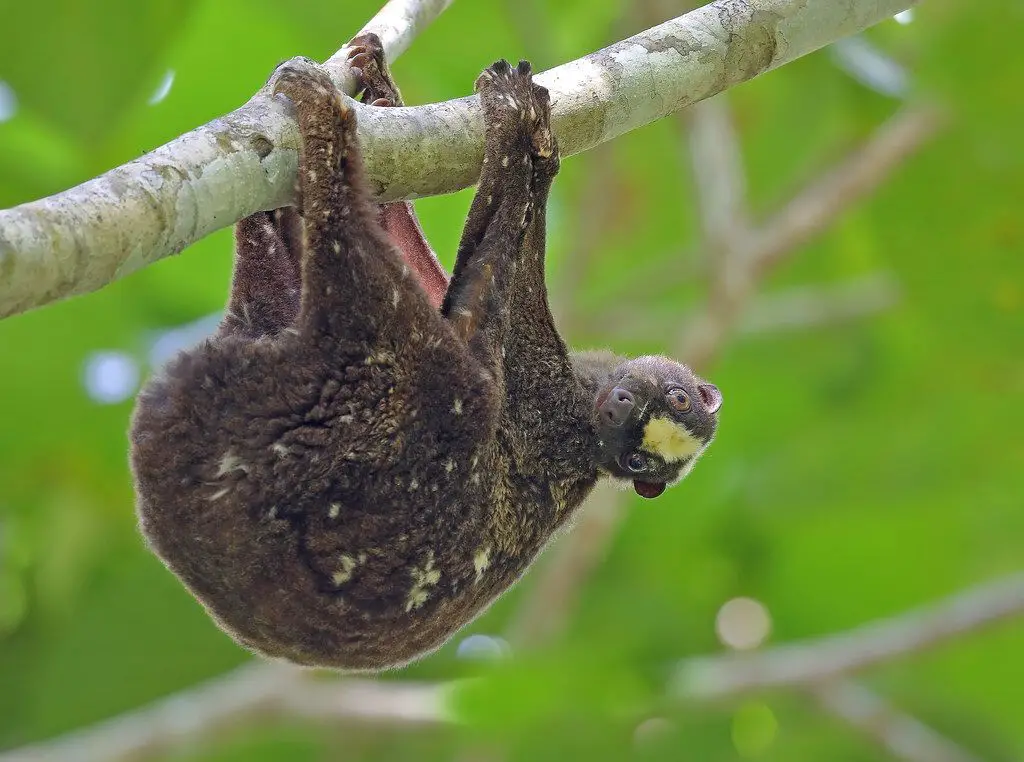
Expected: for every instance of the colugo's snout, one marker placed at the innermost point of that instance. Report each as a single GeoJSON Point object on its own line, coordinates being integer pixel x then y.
{"type": "Point", "coordinates": [617, 406]}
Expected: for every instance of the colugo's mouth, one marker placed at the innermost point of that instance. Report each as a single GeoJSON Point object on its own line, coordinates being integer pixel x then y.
{"type": "Point", "coordinates": [648, 489]}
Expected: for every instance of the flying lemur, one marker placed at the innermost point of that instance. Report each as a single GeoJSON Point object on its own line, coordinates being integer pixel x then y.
{"type": "Point", "coordinates": [365, 456]}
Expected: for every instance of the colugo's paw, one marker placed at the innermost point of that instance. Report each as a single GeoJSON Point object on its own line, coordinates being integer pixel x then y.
{"type": "Point", "coordinates": [510, 98]}
{"type": "Point", "coordinates": [366, 59]}
{"type": "Point", "coordinates": [305, 83]}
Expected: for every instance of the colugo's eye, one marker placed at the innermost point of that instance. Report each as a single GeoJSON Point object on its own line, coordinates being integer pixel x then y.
{"type": "Point", "coordinates": [635, 462]}
{"type": "Point", "coordinates": [678, 399]}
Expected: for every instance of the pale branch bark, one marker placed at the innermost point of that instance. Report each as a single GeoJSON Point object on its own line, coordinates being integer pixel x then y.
{"type": "Point", "coordinates": [256, 692]}
{"type": "Point", "coordinates": [82, 239]}
{"type": "Point", "coordinates": [825, 659]}
{"type": "Point", "coordinates": [267, 691]}
{"type": "Point", "coordinates": [720, 179]}
{"type": "Point", "coordinates": [903, 736]}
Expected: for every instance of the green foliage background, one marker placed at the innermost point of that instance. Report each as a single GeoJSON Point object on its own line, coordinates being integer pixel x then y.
{"type": "Point", "coordinates": [861, 469]}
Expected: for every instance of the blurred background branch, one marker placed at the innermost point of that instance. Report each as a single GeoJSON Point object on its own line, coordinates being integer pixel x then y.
{"type": "Point", "coordinates": [261, 691]}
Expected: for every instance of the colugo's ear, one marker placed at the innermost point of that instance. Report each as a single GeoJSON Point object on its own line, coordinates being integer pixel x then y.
{"type": "Point", "coordinates": [710, 396]}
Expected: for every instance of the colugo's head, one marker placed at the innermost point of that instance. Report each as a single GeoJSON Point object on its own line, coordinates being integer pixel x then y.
{"type": "Point", "coordinates": [655, 418]}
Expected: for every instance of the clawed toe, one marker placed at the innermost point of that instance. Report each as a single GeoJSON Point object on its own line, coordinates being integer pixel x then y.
{"type": "Point", "coordinates": [366, 60]}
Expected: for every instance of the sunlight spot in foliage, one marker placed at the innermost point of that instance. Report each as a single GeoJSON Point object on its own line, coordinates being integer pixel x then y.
{"type": "Point", "coordinates": [905, 17]}
{"type": "Point", "coordinates": [743, 623]}
{"type": "Point", "coordinates": [652, 730]}
{"type": "Point", "coordinates": [167, 344]}
{"type": "Point", "coordinates": [754, 728]}
{"type": "Point", "coordinates": [111, 377]}
{"type": "Point", "coordinates": [163, 88]}
{"type": "Point", "coordinates": [484, 648]}
{"type": "Point", "coordinates": [8, 102]}
{"type": "Point", "coordinates": [870, 66]}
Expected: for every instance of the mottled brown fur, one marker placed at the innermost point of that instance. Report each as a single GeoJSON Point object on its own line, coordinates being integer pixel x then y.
{"type": "Point", "coordinates": [345, 475]}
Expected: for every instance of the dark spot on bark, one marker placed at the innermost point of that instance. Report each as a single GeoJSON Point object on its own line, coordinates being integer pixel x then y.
{"type": "Point", "coordinates": [683, 47]}
{"type": "Point", "coordinates": [225, 143]}
{"type": "Point", "coordinates": [261, 146]}
{"type": "Point", "coordinates": [752, 39]}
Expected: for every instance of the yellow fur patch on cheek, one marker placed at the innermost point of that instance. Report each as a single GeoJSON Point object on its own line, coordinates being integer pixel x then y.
{"type": "Point", "coordinates": [669, 440]}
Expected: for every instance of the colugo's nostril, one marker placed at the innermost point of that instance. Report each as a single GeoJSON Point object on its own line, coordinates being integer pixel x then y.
{"type": "Point", "coordinates": [617, 406]}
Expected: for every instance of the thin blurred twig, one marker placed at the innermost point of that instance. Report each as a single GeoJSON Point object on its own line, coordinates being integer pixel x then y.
{"type": "Point", "coordinates": [791, 309]}
{"type": "Point", "coordinates": [259, 691]}
{"type": "Point", "coordinates": [805, 307]}
{"type": "Point", "coordinates": [808, 214]}
{"type": "Point", "coordinates": [903, 736]}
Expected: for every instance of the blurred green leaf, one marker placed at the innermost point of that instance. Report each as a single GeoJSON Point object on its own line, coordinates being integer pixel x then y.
{"type": "Point", "coordinates": [81, 65]}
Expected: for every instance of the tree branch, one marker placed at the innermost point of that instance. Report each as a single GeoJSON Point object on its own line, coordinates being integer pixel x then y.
{"type": "Point", "coordinates": [829, 658]}
{"type": "Point", "coordinates": [82, 239]}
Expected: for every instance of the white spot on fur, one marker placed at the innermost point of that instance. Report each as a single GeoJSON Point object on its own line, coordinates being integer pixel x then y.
{"type": "Point", "coordinates": [414, 485]}
{"type": "Point", "coordinates": [422, 579]}
{"type": "Point", "coordinates": [311, 175]}
{"type": "Point", "coordinates": [272, 513]}
{"type": "Point", "coordinates": [490, 200]}
{"type": "Point", "coordinates": [280, 449]}
{"type": "Point", "coordinates": [481, 562]}
{"type": "Point", "coordinates": [334, 510]}
{"type": "Point", "coordinates": [395, 298]}
{"type": "Point", "coordinates": [457, 406]}
{"type": "Point", "coordinates": [504, 161]}
{"type": "Point", "coordinates": [336, 247]}
{"type": "Point", "coordinates": [344, 574]}
{"type": "Point", "coordinates": [449, 466]}
{"type": "Point", "coordinates": [231, 462]}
